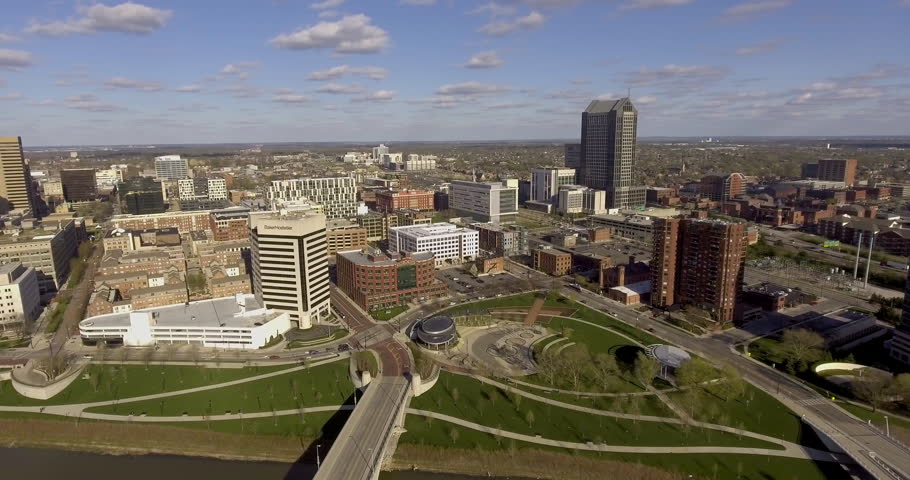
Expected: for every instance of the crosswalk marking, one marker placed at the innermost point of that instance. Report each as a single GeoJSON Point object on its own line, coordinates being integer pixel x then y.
{"type": "Point", "coordinates": [812, 401]}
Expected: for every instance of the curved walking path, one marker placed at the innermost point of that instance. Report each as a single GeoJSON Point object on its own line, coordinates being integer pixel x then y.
{"type": "Point", "coordinates": [791, 450]}
{"type": "Point", "coordinates": [75, 409]}
{"type": "Point", "coordinates": [202, 418]}
{"type": "Point", "coordinates": [645, 418]}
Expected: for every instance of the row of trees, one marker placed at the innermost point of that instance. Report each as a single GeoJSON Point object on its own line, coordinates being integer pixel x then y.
{"type": "Point", "coordinates": [574, 368]}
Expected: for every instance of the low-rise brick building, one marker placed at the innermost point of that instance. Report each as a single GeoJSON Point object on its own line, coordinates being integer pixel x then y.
{"type": "Point", "coordinates": [551, 261]}
{"type": "Point", "coordinates": [375, 279]}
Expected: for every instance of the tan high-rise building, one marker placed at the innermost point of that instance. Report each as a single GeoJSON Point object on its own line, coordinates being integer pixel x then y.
{"type": "Point", "coordinates": [15, 179]}
{"type": "Point", "coordinates": [700, 264]}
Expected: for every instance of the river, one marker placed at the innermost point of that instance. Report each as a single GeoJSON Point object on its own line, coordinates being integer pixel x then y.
{"type": "Point", "coordinates": [66, 465]}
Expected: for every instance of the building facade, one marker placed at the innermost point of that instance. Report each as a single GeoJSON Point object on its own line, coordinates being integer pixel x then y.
{"type": "Point", "coordinates": [21, 298]}
{"type": "Point", "coordinates": [499, 240]}
{"type": "Point", "coordinates": [184, 222]}
{"type": "Point", "coordinates": [572, 155]}
{"type": "Point", "coordinates": [723, 187]}
{"type": "Point", "coordinates": [337, 195]}
{"type": "Point", "coordinates": [608, 139]}
{"type": "Point", "coordinates": [230, 224]}
{"type": "Point", "coordinates": [485, 201]}
{"type": "Point", "coordinates": [900, 343]}
{"type": "Point", "coordinates": [546, 182]}
{"type": "Point", "coordinates": [290, 264]}
{"type": "Point", "coordinates": [377, 225]}
{"type": "Point", "coordinates": [700, 263]}
{"type": "Point", "coordinates": [551, 261]}
{"type": "Point", "coordinates": [79, 184]}
{"type": "Point", "coordinates": [344, 235]}
{"type": "Point", "coordinates": [374, 279]}
{"type": "Point", "coordinates": [838, 170]}
{"type": "Point", "coordinates": [171, 167]}
{"type": "Point", "coordinates": [447, 242]}
{"type": "Point", "coordinates": [49, 252]}
{"type": "Point", "coordinates": [15, 178]}
{"type": "Point", "coordinates": [391, 200]}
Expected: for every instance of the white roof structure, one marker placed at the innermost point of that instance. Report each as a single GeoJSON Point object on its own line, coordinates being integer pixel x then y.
{"type": "Point", "coordinates": [668, 355]}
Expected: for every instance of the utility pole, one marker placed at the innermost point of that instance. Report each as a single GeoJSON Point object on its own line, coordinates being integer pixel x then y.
{"type": "Point", "coordinates": [869, 261]}
{"type": "Point", "coordinates": [859, 246]}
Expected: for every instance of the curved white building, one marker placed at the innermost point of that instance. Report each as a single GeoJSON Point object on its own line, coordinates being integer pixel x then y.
{"type": "Point", "coordinates": [238, 322]}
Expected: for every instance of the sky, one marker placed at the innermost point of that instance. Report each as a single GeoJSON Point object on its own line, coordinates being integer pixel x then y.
{"type": "Point", "coordinates": [77, 72]}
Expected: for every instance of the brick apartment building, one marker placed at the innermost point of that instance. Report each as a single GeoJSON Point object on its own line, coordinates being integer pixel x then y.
{"type": "Point", "coordinates": [552, 262]}
{"type": "Point", "coordinates": [700, 263]}
{"type": "Point", "coordinates": [391, 200]}
{"type": "Point", "coordinates": [375, 279]}
{"type": "Point", "coordinates": [230, 224]}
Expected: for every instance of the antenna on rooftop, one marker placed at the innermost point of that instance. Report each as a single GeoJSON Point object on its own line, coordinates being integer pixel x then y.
{"type": "Point", "coordinates": [629, 94]}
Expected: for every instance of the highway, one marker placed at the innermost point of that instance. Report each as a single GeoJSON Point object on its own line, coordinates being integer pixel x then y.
{"type": "Point", "coordinates": [859, 440]}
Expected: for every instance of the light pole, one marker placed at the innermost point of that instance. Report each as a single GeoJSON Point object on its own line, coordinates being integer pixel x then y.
{"type": "Point", "coordinates": [317, 457]}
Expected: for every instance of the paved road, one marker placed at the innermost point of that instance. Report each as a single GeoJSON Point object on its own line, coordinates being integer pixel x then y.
{"type": "Point", "coordinates": [861, 441]}
{"type": "Point", "coordinates": [360, 447]}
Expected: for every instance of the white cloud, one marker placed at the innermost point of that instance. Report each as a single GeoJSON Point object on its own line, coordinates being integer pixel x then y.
{"type": "Point", "coordinates": [128, 83]}
{"type": "Point", "coordinates": [650, 4]}
{"type": "Point", "coordinates": [530, 21]}
{"type": "Point", "coordinates": [14, 59]}
{"type": "Point", "coordinates": [673, 73]}
{"type": "Point", "coordinates": [241, 91]}
{"type": "Point", "coordinates": [645, 100]}
{"type": "Point", "coordinates": [471, 88]}
{"type": "Point", "coordinates": [904, 3]}
{"type": "Point", "coordinates": [351, 34]}
{"type": "Point", "coordinates": [194, 108]}
{"type": "Point", "coordinates": [291, 98]}
{"type": "Point", "coordinates": [327, 4]}
{"type": "Point", "coordinates": [11, 97]}
{"type": "Point", "coordinates": [750, 9]}
{"type": "Point", "coordinates": [88, 103]}
{"type": "Point", "coordinates": [338, 89]}
{"type": "Point", "coordinates": [188, 89]}
{"type": "Point", "coordinates": [419, 3]}
{"type": "Point", "coordinates": [377, 96]}
{"type": "Point", "coordinates": [7, 38]}
{"type": "Point", "coordinates": [334, 73]}
{"type": "Point", "coordinates": [126, 17]}
{"type": "Point", "coordinates": [763, 47]}
{"type": "Point", "coordinates": [494, 10]}
{"type": "Point", "coordinates": [488, 59]}
{"type": "Point", "coordinates": [329, 13]}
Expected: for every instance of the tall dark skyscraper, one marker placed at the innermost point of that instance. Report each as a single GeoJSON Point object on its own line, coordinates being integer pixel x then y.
{"type": "Point", "coordinates": [79, 184]}
{"type": "Point", "coordinates": [609, 129]}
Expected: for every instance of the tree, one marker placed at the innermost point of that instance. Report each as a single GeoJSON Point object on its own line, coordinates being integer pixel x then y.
{"type": "Point", "coordinates": [196, 282]}
{"type": "Point", "coordinates": [900, 387]}
{"type": "Point", "coordinates": [873, 387]}
{"type": "Point", "coordinates": [529, 417]}
{"type": "Point", "coordinates": [801, 347]}
{"type": "Point", "coordinates": [453, 434]}
{"type": "Point", "coordinates": [606, 369]}
{"type": "Point", "coordinates": [645, 369]}
{"type": "Point", "coordinates": [695, 372]}
{"type": "Point", "coordinates": [455, 395]}
{"type": "Point", "coordinates": [575, 362]}
{"type": "Point", "coordinates": [731, 385]}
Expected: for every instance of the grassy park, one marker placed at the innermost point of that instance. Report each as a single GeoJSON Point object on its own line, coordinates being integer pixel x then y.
{"type": "Point", "coordinates": [322, 385]}
{"type": "Point", "coordinates": [99, 383]}
{"type": "Point", "coordinates": [469, 399]}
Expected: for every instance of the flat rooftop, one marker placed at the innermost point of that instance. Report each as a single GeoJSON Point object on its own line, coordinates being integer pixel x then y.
{"type": "Point", "coordinates": [214, 313]}
{"type": "Point", "coordinates": [381, 259]}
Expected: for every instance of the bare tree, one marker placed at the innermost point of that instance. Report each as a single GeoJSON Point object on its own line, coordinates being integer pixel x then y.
{"type": "Point", "coordinates": [874, 388]}
{"type": "Point", "coordinates": [606, 369]}
{"type": "Point", "coordinates": [801, 347]}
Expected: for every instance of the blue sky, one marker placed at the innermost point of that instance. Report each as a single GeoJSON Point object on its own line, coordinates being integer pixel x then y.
{"type": "Point", "coordinates": [197, 71]}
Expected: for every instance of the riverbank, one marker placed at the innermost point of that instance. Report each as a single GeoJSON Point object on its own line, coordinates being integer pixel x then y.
{"type": "Point", "coordinates": [526, 463]}
{"type": "Point", "coordinates": [145, 439]}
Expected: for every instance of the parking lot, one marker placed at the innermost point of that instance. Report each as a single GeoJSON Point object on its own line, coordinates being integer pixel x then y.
{"type": "Point", "coordinates": [460, 282]}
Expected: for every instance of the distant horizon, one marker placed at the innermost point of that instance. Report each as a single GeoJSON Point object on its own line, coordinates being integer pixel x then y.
{"type": "Point", "coordinates": [471, 141]}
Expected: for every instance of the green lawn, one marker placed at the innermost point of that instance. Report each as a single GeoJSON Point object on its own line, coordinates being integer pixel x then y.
{"type": "Point", "coordinates": [646, 405]}
{"type": "Point", "coordinates": [492, 407]}
{"type": "Point", "coordinates": [878, 417]}
{"type": "Point", "coordinates": [323, 385]}
{"type": "Point", "coordinates": [704, 466]}
{"type": "Point", "coordinates": [336, 335]}
{"type": "Point", "coordinates": [309, 425]}
{"type": "Point", "coordinates": [14, 343]}
{"type": "Point", "coordinates": [123, 381]}
{"type": "Point", "coordinates": [385, 314]}
{"type": "Point", "coordinates": [755, 411]}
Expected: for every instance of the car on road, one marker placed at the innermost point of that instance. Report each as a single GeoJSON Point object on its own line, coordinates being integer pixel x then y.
{"type": "Point", "coordinates": [344, 347]}
{"type": "Point", "coordinates": [274, 357]}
